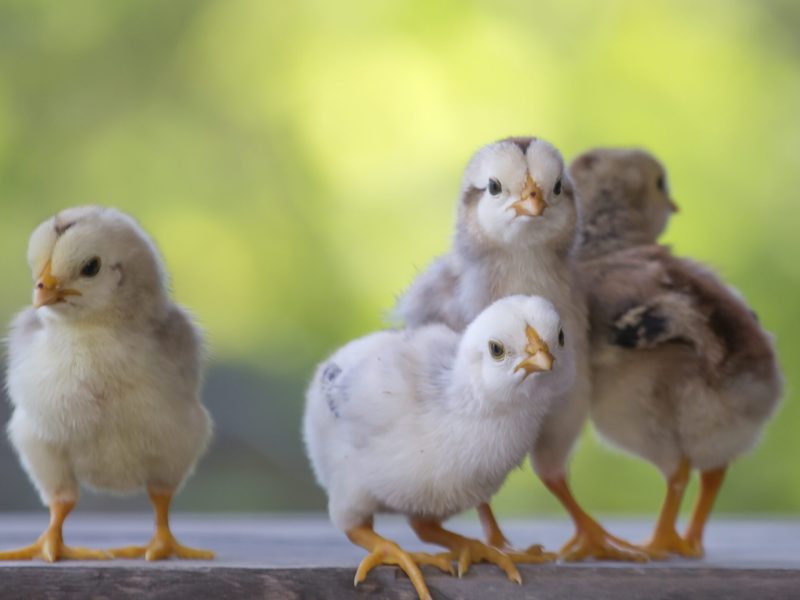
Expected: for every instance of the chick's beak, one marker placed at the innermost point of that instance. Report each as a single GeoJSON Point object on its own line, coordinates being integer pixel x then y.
{"type": "Point", "coordinates": [538, 354]}
{"type": "Point", "coordinates": [48, 289]}
{"type": "Point", "coordinates": [673, 207]}
{"type": "Point", "coordinates": [531, 201]}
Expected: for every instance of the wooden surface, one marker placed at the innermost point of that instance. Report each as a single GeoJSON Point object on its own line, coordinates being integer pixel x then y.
{"type": "Point", "coordinates": [305, 557]}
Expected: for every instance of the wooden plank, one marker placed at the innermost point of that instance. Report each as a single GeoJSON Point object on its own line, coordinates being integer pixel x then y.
{"type": "Point", "coordinates": [542, 583]}
{"type": "Point", "coordinates": [293, 556]}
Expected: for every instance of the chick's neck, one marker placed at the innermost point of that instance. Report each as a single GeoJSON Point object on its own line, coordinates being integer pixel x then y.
{"type": "Point", "coordinates": [610, 228]}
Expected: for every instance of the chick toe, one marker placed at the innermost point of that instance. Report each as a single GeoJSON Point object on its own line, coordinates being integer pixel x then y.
{"type": "Point", "coordinates": [466, 551]}
{"type": "Point", "coordinates": [163, 545]}
{"type": "Point", "coordinates": [592, 541]}
{"type": "Point", "coordinates": [50, 546]}
{"type": "Point", "coordinates": [386, 552]}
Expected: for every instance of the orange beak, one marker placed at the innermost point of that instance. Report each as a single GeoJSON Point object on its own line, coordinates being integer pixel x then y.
{"type": "Point", "coordinates": [539, 357]}
{"type": "Point", "coordinates": [48, 289]}
{"type": "Point", "coordinates": [531, 202]}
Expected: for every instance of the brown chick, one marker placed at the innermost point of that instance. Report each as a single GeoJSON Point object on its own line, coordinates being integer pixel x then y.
{"type": "Point", "coordinates": [683, 375]}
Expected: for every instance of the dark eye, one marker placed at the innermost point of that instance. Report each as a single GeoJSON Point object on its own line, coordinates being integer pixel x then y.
{"type": "Point", "coordinates": [494, 187]}
{"type": "Point", "coordinates": [91, 268]}
{"type": "Point", "coordinates": [561, 337]}
{"type": "Point", "coordinates": [660, 183]}
{"type": "Point", "coordinates": [557, 189]}
{"type": "Point", "coordinates": [497, 350]}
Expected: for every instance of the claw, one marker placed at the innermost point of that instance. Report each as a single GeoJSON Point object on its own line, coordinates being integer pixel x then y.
{"type": "Point", "coordinates": [386, 552]}
{"type": "Point", "coordinates": [389, 553]}
{"type": "Point", "coordinates": [466, 551]}
{"type": "Point", "coordinates": [535, 554]}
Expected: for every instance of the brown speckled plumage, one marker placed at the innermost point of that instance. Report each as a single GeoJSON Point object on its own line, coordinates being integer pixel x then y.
{"type": "Point", "coordinates": [681, 368]}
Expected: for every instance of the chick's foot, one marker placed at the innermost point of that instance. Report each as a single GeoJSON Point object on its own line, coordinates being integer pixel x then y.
{"type": "Point", "coordinates": [469, 552]}
{"type": "Point", "coordinates": [50, 546]}
{"type": "Point", "coordinates": [667, 542]}
{"type": "Point", "coordinates": [386, 552]}
{"type": "Point", "coordinates": [592, 541]}
{"type": "Point", "coordinates": [162, 546]}
{"type": "Point", "coordinates": [496, 539]}
{"type": "Point", "coordinates": [466, 551]}
{"type": "Point", "coordinates": [695, 546]}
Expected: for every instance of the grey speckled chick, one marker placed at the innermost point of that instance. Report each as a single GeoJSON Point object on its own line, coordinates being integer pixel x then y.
{"type": "Point", "coordinates": [683, 375]}
{"type": "Point", "coordinates": [104, 375]}
{"type": "Point", "coordinates": [516, 234]}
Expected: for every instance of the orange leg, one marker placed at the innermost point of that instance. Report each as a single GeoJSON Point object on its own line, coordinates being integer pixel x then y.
{"type": "Point", "coordinates": [467, 550]}
{"type": "Point", "coordinates": [163, 545]}
{"type": "Point", "coordinates": [495, 538]}
{"type": "Point", "coordinates": [590, 539]}
{"type": "Point", "coordinates": [385, 552]}
{"type": "Point", "coordinates": [710, 482]}
{"type": "Point", "coordinates": [50, 545]}
{"type": "Point", "coordinates": [665, 539]}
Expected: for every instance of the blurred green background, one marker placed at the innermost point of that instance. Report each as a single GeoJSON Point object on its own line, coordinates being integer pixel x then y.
{"type": "Point", "coordinates": [298, 162]}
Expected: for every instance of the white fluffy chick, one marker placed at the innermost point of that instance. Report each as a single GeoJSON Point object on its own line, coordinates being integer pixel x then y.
{"type": "Point", "coordinates": [428, 423]}
{"type": "Point", "coordinates": [104, 376]}
{"type": "Point", "coordinates": [516, 233]}
{"type": "Point", "coordinates": [683, 374]}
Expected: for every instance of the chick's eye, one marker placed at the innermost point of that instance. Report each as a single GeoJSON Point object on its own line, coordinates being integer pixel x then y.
{"type": "Point", "coordinates": [494, 187]}
{"type": "Point", "coordinates": [561, 337]}
{"type": "Point", "coordinates": [91, 268]}
{"type": "Point", "coordinates": [557, 189]}
{"type": "Point", "coordinates": [660, 183]}
{"type": "Point", "coordinates": [497, 350]}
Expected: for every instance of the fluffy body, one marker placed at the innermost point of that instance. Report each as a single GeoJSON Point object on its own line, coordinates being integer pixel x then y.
{"type": "Point", "coordinates": [105, 386]}
{"type": "Point", "coordinates": [406, 421]}
{"type": "Point", "coordinates": [496, 254]}
{"type": "Point", "coordinates": [681, 367]}
{"type": "Point", "coordinates": [702, 386]}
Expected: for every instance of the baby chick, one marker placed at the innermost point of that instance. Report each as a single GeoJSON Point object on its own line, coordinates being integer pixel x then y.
{"type": "Point", "coordinates": [683, 374]}
{"type": "Point", "coordinates": [407, 421]}
{"type": "Point", "coordinates": [516, 234]}
{"type": "Point", "coordinates": [104, 375]}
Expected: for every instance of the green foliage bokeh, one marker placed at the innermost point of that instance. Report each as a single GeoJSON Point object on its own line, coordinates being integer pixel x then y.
{"type": "Point", "coordinates": [298, 162]}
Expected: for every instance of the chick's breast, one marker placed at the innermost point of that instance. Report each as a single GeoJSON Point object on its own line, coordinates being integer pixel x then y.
{"type": "Point", "coordinates": [122, 406]}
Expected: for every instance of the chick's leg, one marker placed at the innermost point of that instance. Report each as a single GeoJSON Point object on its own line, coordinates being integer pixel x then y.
{"type": "Point", "coordinates": [665, 539]}
{"type": "Point", "coordinates": [591, 540]}
{"type": "Point", "coordinates": [50, 545]}
{"type": "Point", "coordinates": [385, 552]}
{"type": "Point", "coordinates": [494, 537]}
{"type": "Point", "coordinates": [163, 545]}
{"type": "Point", "coordinates": [466, 550]}
{"type": "Point", "coordinates": [710, 482]}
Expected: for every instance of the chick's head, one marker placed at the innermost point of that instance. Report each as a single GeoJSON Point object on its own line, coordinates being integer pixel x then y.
{"type": "Point", "coordinates": [516, 192]}
{"type": "Point", "coordinates": [623, 192]}
{"type": "Point", "coordinates": [94, 261]}
{"type": "Point", "coordinates": [520, 341]}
